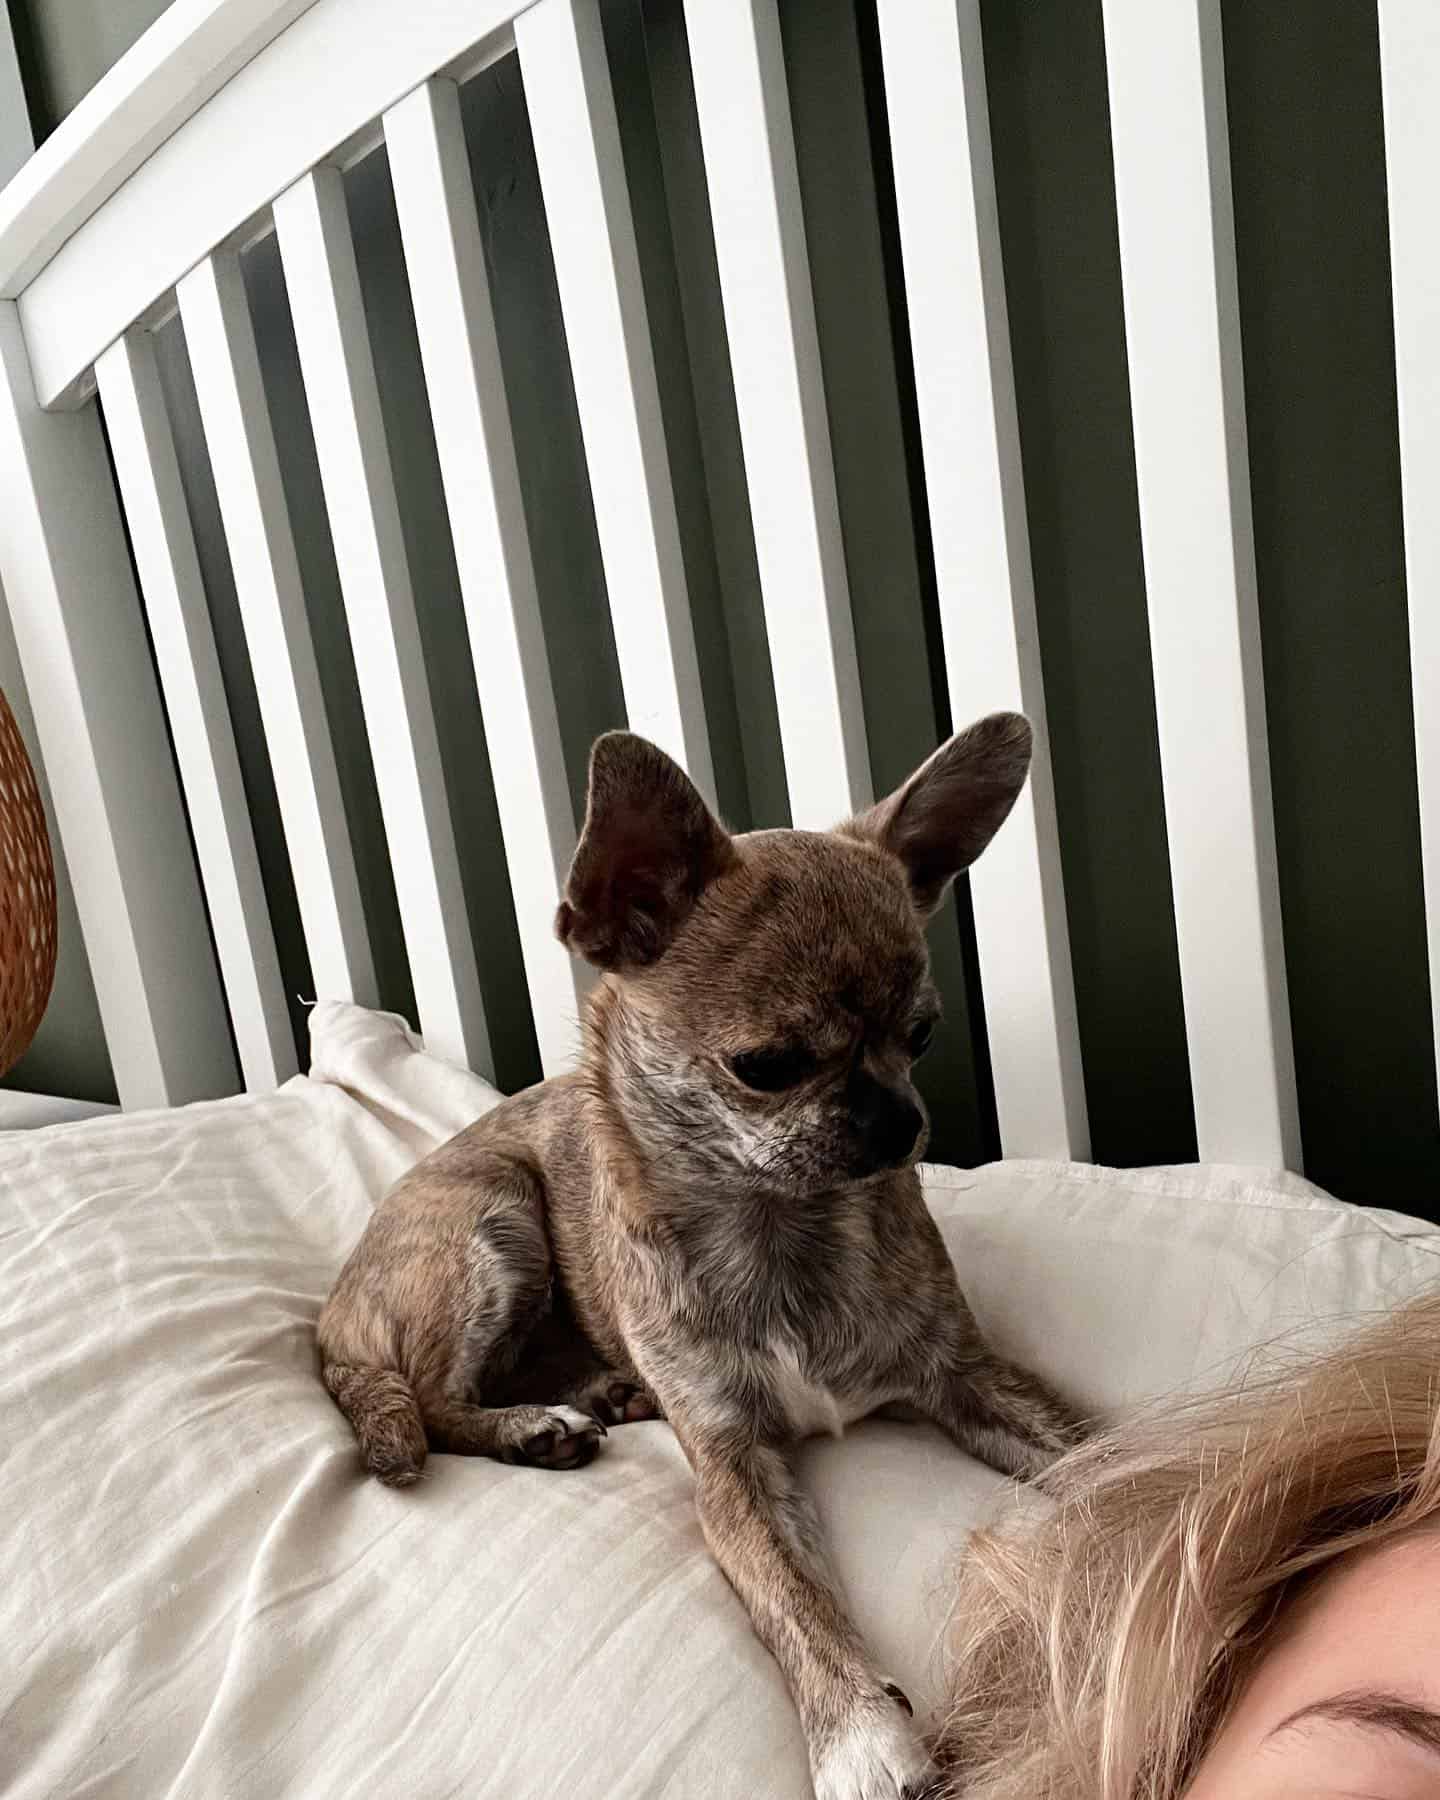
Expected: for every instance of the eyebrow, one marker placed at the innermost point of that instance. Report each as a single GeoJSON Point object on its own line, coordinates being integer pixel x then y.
{"type": "Point", "coordinates": [1373, 1710]}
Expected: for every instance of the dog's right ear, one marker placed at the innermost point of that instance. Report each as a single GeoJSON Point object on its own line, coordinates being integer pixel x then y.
{"type": "Point", "coordinates": [649, 846]}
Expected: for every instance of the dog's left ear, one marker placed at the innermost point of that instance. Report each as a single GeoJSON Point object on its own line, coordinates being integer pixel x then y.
{"type": "Point", "coordinates": [649, 846]}
{"type": "Point", "coordinates": [951, 807]}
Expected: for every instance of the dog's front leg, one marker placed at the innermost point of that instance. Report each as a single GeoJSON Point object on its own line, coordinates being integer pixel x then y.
{"type": "Point", "coordinates": [997, 1411]}
{"type": "Point", "coordinates": [762, 1530]}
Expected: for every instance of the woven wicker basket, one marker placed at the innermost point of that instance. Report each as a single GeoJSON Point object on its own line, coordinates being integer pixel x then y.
{"type": "Point", "coordinates": [27, 898]}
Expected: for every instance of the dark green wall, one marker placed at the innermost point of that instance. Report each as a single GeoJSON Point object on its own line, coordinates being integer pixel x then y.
{"type": "Point", "coordinates": [1313, 255]}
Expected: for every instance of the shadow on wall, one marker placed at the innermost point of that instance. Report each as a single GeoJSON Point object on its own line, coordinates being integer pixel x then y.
{"type": "Point", "coordinates": [65, 46]}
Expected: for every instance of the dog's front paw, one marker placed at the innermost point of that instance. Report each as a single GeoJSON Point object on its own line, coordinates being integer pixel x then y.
{"type": "Point", "coordinates": [876, 1755]}
{"type": "Point", "coordinates": [555, 1437]}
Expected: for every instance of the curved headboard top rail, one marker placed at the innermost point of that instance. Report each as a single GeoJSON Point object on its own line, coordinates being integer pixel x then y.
{"type": "Point", "coordinates": [188, 54]}
{"type": "Point", "coordinates": [163, 161]}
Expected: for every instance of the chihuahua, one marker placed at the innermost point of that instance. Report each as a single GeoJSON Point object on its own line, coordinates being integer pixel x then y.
{"type": "Point", "coordinates": [716, 1218]}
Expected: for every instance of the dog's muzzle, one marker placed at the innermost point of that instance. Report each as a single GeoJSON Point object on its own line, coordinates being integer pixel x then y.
{"type": "Point", "coordinates": [887, 1121]}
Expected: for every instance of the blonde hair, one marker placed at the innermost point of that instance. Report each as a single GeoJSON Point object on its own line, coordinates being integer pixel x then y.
{"type": "Point", "coordinates": [1097, 1650]}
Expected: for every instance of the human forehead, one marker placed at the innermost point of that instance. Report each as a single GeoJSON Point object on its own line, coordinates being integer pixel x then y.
{"type": "Point", "coordinates": [1361, 1615]}
{"type": "Point", "coordinates": [1311, 1719]}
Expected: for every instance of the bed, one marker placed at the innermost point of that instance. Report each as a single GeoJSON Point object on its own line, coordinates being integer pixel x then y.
{"type": "Point", "coordinates": [199, 1593]}
{"type": "Point", "coordinates": [204, 1595]}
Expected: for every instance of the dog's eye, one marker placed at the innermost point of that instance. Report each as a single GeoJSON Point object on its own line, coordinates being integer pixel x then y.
{"type": "Point", "coordinates": [921, 1037]}
{"type": "Point", "coordinates": [769, 1071]}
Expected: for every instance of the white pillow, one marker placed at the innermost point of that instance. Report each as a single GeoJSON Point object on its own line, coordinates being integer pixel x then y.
{"type": "Point", "coordinates": [201, 1595]}
{"type": "Point", "coordinates": [1123, 1284]}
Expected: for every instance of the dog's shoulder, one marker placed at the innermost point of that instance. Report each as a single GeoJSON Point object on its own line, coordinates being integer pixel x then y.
{"type": "Point", "coordinates": [524, 1131]}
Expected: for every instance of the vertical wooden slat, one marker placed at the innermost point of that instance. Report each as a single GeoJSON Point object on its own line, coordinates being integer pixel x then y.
{"type": "Point", "coordinates": [1410, 79]}
{"type": "Point", "coordinates": [744, 112]}
{"type": "Point", "coordinates": [163, 545]}
{"type": "Point", "coordinates": [76, 615]}
{"type": "Point", "coordinates": [238, 434]}
{"type": "Point", "coordinates": [955, 295]}
{"type": "Point", "coordinates": [597, 270]}
{"type": "Point", "coordinates": [455, 322]}
{"type": "Point", "coordinates": [338, 368]}
{"type": "Point", "coordinates": [1177, 255]}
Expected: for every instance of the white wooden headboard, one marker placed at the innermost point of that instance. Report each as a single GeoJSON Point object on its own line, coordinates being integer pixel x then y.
{"type": "Point", "coordinates": [232, 116]}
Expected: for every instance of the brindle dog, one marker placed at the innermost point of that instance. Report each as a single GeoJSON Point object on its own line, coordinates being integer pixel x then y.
{"type": "Point", "coordinates": [716, 1217]}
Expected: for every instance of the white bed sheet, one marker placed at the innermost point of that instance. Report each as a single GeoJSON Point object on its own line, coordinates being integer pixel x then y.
{"type": "Point", "coordinates": [201, 1596]}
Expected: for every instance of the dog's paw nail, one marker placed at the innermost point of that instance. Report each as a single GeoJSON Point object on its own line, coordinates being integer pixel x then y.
{"type": "Point", "coordinates": [901, 1698]}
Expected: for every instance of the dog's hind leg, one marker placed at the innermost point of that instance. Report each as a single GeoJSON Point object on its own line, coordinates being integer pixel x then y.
{"type": "Point", "coordinates": [504, 1294]}
{"type": "Point", "coordinates": [614, 1397]}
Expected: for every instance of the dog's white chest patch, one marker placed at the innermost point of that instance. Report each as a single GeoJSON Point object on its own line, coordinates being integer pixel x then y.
{"type": "Point", "coordinates": [810, 1408]}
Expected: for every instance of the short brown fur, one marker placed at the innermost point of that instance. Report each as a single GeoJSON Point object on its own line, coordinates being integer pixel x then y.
{"type": "Point", "coordinates": [717, 1217]}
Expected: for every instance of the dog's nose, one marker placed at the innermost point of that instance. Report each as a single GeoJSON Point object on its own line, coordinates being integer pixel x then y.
{"type": "Point", "coordinates": [895, 1131]}
{"type": "Point", "coordinates": [888, 1120]}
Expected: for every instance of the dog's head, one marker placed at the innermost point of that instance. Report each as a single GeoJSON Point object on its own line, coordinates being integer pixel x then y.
{"type": "Point", "coordinates": [775, 987]}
